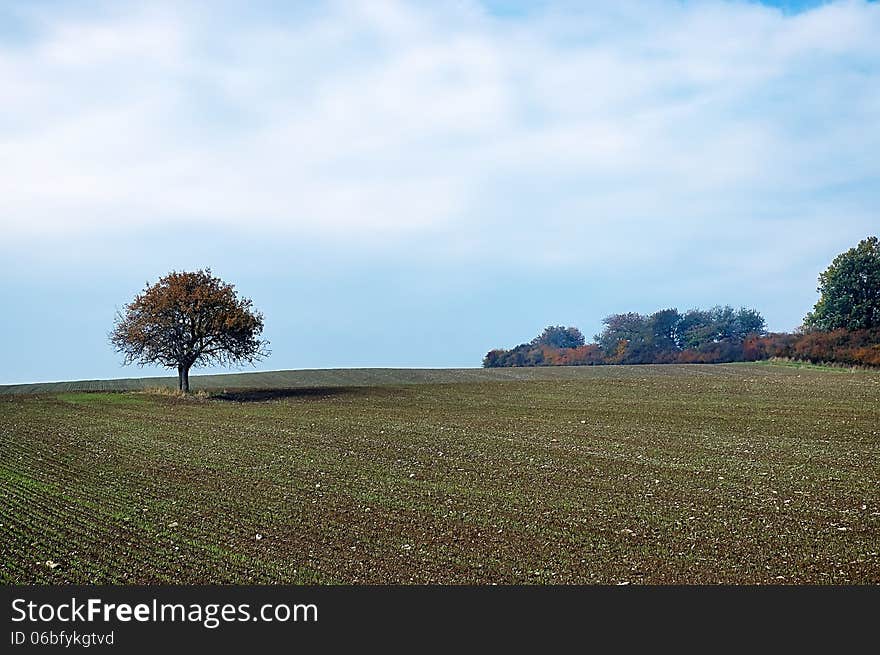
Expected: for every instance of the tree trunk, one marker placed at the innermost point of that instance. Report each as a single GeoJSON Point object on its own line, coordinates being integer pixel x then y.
{"type": "Point", "coordinates": [179, 377]}
{"type": "Point", "coordinates": [184, 379]}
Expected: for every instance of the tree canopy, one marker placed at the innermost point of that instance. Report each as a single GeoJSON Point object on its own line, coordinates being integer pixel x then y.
{"type": "Point", "coordinates": [558, 336]}
{"type": "Point", "coordinates": [187, 319]}
{"type": "Point", "coordinates": [849, 291]}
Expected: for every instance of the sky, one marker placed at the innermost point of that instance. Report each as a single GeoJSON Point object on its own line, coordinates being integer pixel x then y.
{"type": "Point", "coordinates": [414, 183]}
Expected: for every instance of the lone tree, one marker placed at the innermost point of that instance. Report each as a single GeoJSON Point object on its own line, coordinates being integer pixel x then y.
{"type": "Point", "coordinates": [850, 291]}
{"type": "Point", "coordinates": [186, 319]}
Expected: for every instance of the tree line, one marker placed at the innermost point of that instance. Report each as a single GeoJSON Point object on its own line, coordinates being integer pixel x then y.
{"type": "Point", "coordinates": [844, 327]}
{"type": "Point", "coordinates": [664, 337]}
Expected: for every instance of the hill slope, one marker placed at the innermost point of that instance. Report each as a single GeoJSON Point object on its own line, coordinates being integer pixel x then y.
{"type": "Point", "coordinates": [339, 377]}
{"type": "Point", "coordinates": [648, 474]}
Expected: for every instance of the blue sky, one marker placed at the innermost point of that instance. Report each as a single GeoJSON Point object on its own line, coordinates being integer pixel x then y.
{"type": "Point", "coordinates": [412, 184]}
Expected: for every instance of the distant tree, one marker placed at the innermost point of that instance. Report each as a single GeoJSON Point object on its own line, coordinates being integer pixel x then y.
{"type": "Point", "coordinates": [631, 328]}
{"type": "Point", "coordinates": [558, 336]}
{"type": "Point", "coordinates": [695, 329]}
{"type": "Point", "coordinates": [849, 291]}
{"type": "Point", "coordinates": [186, 319]}
{"type": "Point", "coordinates": [664, 330]}
{"type": "Point", "coordinates": [494, 358]}
{"type": "Point", "coordinates": [723, 324]}
{"type": "Point", "coordinates": [749, 322]}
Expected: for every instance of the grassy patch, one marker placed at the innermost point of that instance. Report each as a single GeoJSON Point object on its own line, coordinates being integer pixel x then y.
{"type": "Point", "coordinates": [100, 399]}
{"type": "Point", "coordinates": [793, 363]}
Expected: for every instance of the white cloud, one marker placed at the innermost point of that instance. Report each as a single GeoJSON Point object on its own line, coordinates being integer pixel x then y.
{"type": "Point", "coordinates": [595, 128]}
